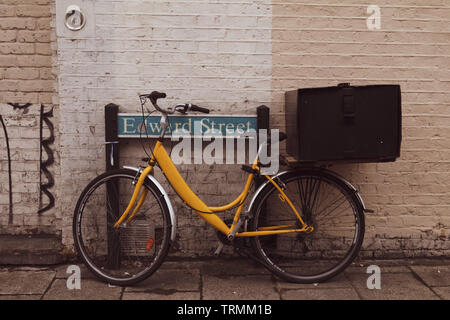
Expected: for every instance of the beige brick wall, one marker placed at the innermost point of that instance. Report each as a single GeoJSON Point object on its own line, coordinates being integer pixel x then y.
{"type": "Point", "coordinates": [323, 43]}
{"type": "Point", "coordinates": [25, 51]}
{"type": "Point", "coordinates": [26, 76]}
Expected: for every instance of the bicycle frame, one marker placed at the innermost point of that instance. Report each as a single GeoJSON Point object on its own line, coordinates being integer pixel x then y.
{"type": "Point", "coordinates": [206, 212]}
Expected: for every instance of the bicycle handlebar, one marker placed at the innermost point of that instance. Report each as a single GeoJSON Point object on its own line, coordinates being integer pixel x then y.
{"type": "Point", "coordinates": [184, 108]}
{"type": "Point", "coordinates": [155, 95]}
{"type": "Point", "coordinates": [199, 109]}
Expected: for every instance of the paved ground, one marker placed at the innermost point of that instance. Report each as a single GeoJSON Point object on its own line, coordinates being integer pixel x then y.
{"type": "Point", "coordinates": [234, 280]}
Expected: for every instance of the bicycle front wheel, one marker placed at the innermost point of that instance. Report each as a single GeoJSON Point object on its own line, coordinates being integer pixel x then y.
{"type": "Point", "coordinates": [325, 203]}
{"type": "Point", "coordinates": [132, 252]}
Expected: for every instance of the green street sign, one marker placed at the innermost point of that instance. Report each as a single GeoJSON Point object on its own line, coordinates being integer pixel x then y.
{"type": "Point", "coordinates": [131, 125]}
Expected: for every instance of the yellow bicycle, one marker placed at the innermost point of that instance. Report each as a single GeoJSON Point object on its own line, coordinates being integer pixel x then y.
{"type": "Point", "coordinates": [304, 225]}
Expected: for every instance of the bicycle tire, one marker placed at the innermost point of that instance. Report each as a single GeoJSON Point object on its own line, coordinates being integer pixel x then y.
{"type": "Point", "coordinates": [308, 270]}
{"type": "Point", "coordinates": [159, 245]}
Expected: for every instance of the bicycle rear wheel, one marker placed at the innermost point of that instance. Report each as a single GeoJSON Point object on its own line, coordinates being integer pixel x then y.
{"type": "Point", "coordinates": [324, 202]}
{"type": "Point", "coordinates": [132, 252]}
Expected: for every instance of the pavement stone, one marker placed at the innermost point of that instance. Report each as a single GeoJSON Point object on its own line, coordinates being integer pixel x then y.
{"type": "Point", "coordinates": [61, 271]}
{"type": "Point", "coordinates": [434, 276]}
{"type": "Point", "coordinates": [25, 282]}
{"type": "Point", "coordinates": [179, 280]}
{"type": "Point", "coordinates": [90, 290]}
{"type": "Point", "coordinates": [233, 267]}
{"type": "Point", "coordinates": [443, 292]}
{"type": "Point", "coordinates": [180, 264]}
{"type": "Point", "coordinates": [21, 297]}
{"type": "Point", "coordinates": [233, 279]}
{"type": "Point", "coordinates": [321, 294]}
{"type": "Point", "coordinates": [169, 295]}
{"type": "Point", "coordinates": [394, 286]}
{"type": "Point", "coordinates": [252, 287]}
{"type": "Point", "coordinates": [340, 281]}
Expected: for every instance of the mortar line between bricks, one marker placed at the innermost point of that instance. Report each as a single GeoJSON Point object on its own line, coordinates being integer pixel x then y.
{"type": "Point", "coordinates": [418, 277]}
{"type": "Point", "coordinates": [49, 286]}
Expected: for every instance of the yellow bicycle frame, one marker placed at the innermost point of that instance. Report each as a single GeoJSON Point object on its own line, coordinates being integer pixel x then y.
{"type": "Point", "coordinates": [205, 212]}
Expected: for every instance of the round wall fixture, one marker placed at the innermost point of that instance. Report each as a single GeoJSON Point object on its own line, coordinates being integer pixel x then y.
{"type": "Point", "coordinates": [75, 19]}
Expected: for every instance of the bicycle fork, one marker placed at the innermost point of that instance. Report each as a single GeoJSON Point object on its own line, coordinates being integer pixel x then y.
{"type": "Point", "coordinates": [134, 197]}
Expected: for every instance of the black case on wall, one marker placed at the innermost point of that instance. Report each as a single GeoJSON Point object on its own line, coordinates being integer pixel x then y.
{"type": "Point", "coordinates": [352, 123]}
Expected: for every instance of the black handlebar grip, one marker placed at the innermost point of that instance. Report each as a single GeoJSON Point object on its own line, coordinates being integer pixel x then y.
{"type": "Point", "coordinates": [155, 95]}
{"type": "Point", "coordinates": [199, 109]}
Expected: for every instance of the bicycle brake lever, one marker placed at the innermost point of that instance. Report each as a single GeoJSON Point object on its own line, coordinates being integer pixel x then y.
{"type": "Point", "coordinates": [181, 108]}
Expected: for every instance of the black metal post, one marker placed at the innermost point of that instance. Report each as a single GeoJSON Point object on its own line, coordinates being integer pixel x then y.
{"type": "Point", "coordinates": [112, 188]}
{"type": "Point", "coordinates": [262, 113]}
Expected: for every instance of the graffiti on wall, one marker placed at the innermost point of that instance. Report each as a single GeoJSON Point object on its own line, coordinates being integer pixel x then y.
{"type": "Point", "coordinates": [20, 106]}
{"type": "Point", "coordinates": [44, 164]}
{"type": "Point", "coordinates": [10, 216]}
{"type": "Point", "coordinates": [46, 158]}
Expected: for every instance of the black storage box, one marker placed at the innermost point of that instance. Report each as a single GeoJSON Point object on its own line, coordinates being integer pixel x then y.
{"type": "Point", "coordinates": [352, 123]}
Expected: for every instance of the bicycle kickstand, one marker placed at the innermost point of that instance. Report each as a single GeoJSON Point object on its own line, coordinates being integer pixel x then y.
{"type": "Point", "coordinates": [219, 249]}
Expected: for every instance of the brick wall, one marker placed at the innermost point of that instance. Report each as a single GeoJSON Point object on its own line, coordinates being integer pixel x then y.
{"type": "Point", "coordinates": [214, 54]}
{"type": "Point", "coordinates": [233, 56]}
{"type": "Point", "coordinates": [230, 56]}
{"type": "Point", "coordinates": [26, 90]}
{"type": "Point", "coordinates": [323, 43]}
{"type": "Point", "coordinates": [25, 51]}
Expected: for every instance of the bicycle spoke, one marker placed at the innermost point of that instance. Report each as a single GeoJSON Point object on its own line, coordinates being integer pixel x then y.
{"type": "Point", "coordinates": [338, 201]}
{"type": "Point", "coordinates": [101, 208]}
{"type": "Point", "coordinates": [316, 191]}
{"type": "Point", "coordinates": [327, 208]}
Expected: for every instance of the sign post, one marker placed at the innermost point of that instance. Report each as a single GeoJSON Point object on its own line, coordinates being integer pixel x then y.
{"type": "Point", "coordinates": [112, 188]}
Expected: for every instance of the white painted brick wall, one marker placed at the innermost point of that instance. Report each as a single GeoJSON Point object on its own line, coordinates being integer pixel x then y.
{"type": "Point", "coordinates": [214, 54]}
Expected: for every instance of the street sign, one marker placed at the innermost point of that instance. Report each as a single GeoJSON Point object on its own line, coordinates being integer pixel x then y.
{"type": "Point", "coordinates": [131, 125]}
